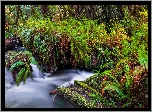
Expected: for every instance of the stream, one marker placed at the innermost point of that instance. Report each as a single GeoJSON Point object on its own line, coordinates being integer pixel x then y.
{"type": "Point", "coordinates": [35, 93]}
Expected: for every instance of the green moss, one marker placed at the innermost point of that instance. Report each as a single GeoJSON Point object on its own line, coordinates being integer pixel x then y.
{"type": "Point", "coordinates": [75, 97]}
{"type": "Point", "coordinates": [86, 86]}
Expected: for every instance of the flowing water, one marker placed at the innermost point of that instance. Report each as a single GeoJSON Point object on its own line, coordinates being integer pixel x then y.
{"type": "Point", "coordinates": [35, 93]}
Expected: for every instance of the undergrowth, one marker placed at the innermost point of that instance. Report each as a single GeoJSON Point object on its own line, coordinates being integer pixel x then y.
{"type": "Point", "coordinates": [125, 84]}
{"type": "Point", "coordinates": [119, 57]}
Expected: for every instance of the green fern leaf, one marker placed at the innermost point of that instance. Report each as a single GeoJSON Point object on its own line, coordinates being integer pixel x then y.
{"type": "Point", "coordinates": [128, 82]}
{"type": "Point", "coordinates": [107, 82]}
{"type": "Point", "coordinates": [26, 73]}
{"type": "Point", "coordinates": [108, 73]}
{"type": "Point", "coordinates": [143, 60]}
{"type": "Point", "coordinates": [27, 52]}
{"type": "Point", "coordinates": [19, 63]}
{"type": "Point", "coordinates": [106, 65]}
{"type": "Point", "coordinates": [113, 87]}
{"type": "Point", "coordinates": [33, 61]}
{"type": "Point", "coordinates": [127, 68]}
{"type": "Point", "coordinates": [20, 75]}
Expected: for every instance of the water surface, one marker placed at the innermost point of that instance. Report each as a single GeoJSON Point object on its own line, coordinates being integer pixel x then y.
{"type": "Point", "coordinates": [35, 93]}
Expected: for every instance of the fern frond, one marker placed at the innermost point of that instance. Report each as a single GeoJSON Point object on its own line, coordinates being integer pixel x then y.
{"type": "Point", "coordinates": [129, 80]}
{"type": "Point", "coordinates": [107, 82]}
{"type": "Point", "coordinates": [33, 61]}
{"type": "Point", "coordinates": [113, 87]}
{"type": "Point", "coordinates": [106, 65]}
{"type": "Point", "coordinates": [26, 73]}
{"type": "Point", "coordinates": [19, 63]}
{"type": "Point", "coordinates": [127, 68]}
{"type": "Point", "coordinates": [96, 72]}
{"type": "Point", "coordinates": [27, 53]}
{"type": "Point", "coordinates": [108, 73]}
{"type": "Point", "coordinates": [20, 75]}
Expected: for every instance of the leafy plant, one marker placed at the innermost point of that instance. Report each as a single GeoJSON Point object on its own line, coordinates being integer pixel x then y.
{"type": "Point", "coordinates": [20, 63]}
{"type": "Point", "coordinates": [119, 57]}
{"type": "Point", "coordinates": [23, 72]}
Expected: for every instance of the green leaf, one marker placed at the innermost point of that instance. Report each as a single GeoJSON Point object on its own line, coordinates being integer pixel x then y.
{"type": "Point", "coordinates": [33, 61]}
{"type": "Point", "coordinates": [113, 87]}
{"type": "Point", "coordinates": [28, 53]}
{"type": "Point", "coordinates": [142, 60]}
{"type": "Point", "coordinates": [20, 75]}
{"type": "Point", "coordinates": [19, 63]}
{"type": "Point", "coordinates": [106, 65]}
{"type": "Point", "coordinates": [26, 73]}
{"type": "Point", "coordinates": [139, 34]}
{"type": "Point", "coordinates": [93, 95]}
{"type": "Point", "coordinates": [127, 68]}
{"type": "Point", "coordinates": [129, 81]}
{"type": "Point", "coordinates": [108, 73]}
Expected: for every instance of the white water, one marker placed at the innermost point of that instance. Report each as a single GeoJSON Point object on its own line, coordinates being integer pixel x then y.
{"type": "Point", "coordinates": [35, 93]}
{"type": "Point", "coordinates": [36, 72]}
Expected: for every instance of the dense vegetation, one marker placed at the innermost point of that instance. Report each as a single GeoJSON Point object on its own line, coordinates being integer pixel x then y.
{"type": "Point", "coordinates": [115, 49]}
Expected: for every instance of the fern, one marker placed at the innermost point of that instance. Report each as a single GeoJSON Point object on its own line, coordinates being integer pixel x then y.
{"type": "Point", "coordinates": [28, 53]}
{"type": "Point", "coordinates": [33, 61]}
{"type": "Point", "coordinates": [26, 73]}
{"type": "Point", "coordinates": [108, 73]}
{"type": "Point", "coordinates": [106, 65]}
{"type": "Point", "coordinates": [23, 72]}
{"type": "Point", "coordinates": [129, 82]}
{"type": "Point", "coordinates": [20, 75]}
{"type": "Point", "coordinates": [19, 63]}
{"type": "Point", "coordinates": [114, 87]}
{"type": "Point", "coordinates": [127, 68]}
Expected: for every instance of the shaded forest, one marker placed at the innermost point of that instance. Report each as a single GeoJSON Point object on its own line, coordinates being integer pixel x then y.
{"type": "Point", "coordinates": [110, 40]}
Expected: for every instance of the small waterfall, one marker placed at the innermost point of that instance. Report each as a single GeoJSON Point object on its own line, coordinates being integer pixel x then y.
{"type": "Point", "coordinates": [36, 72]}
